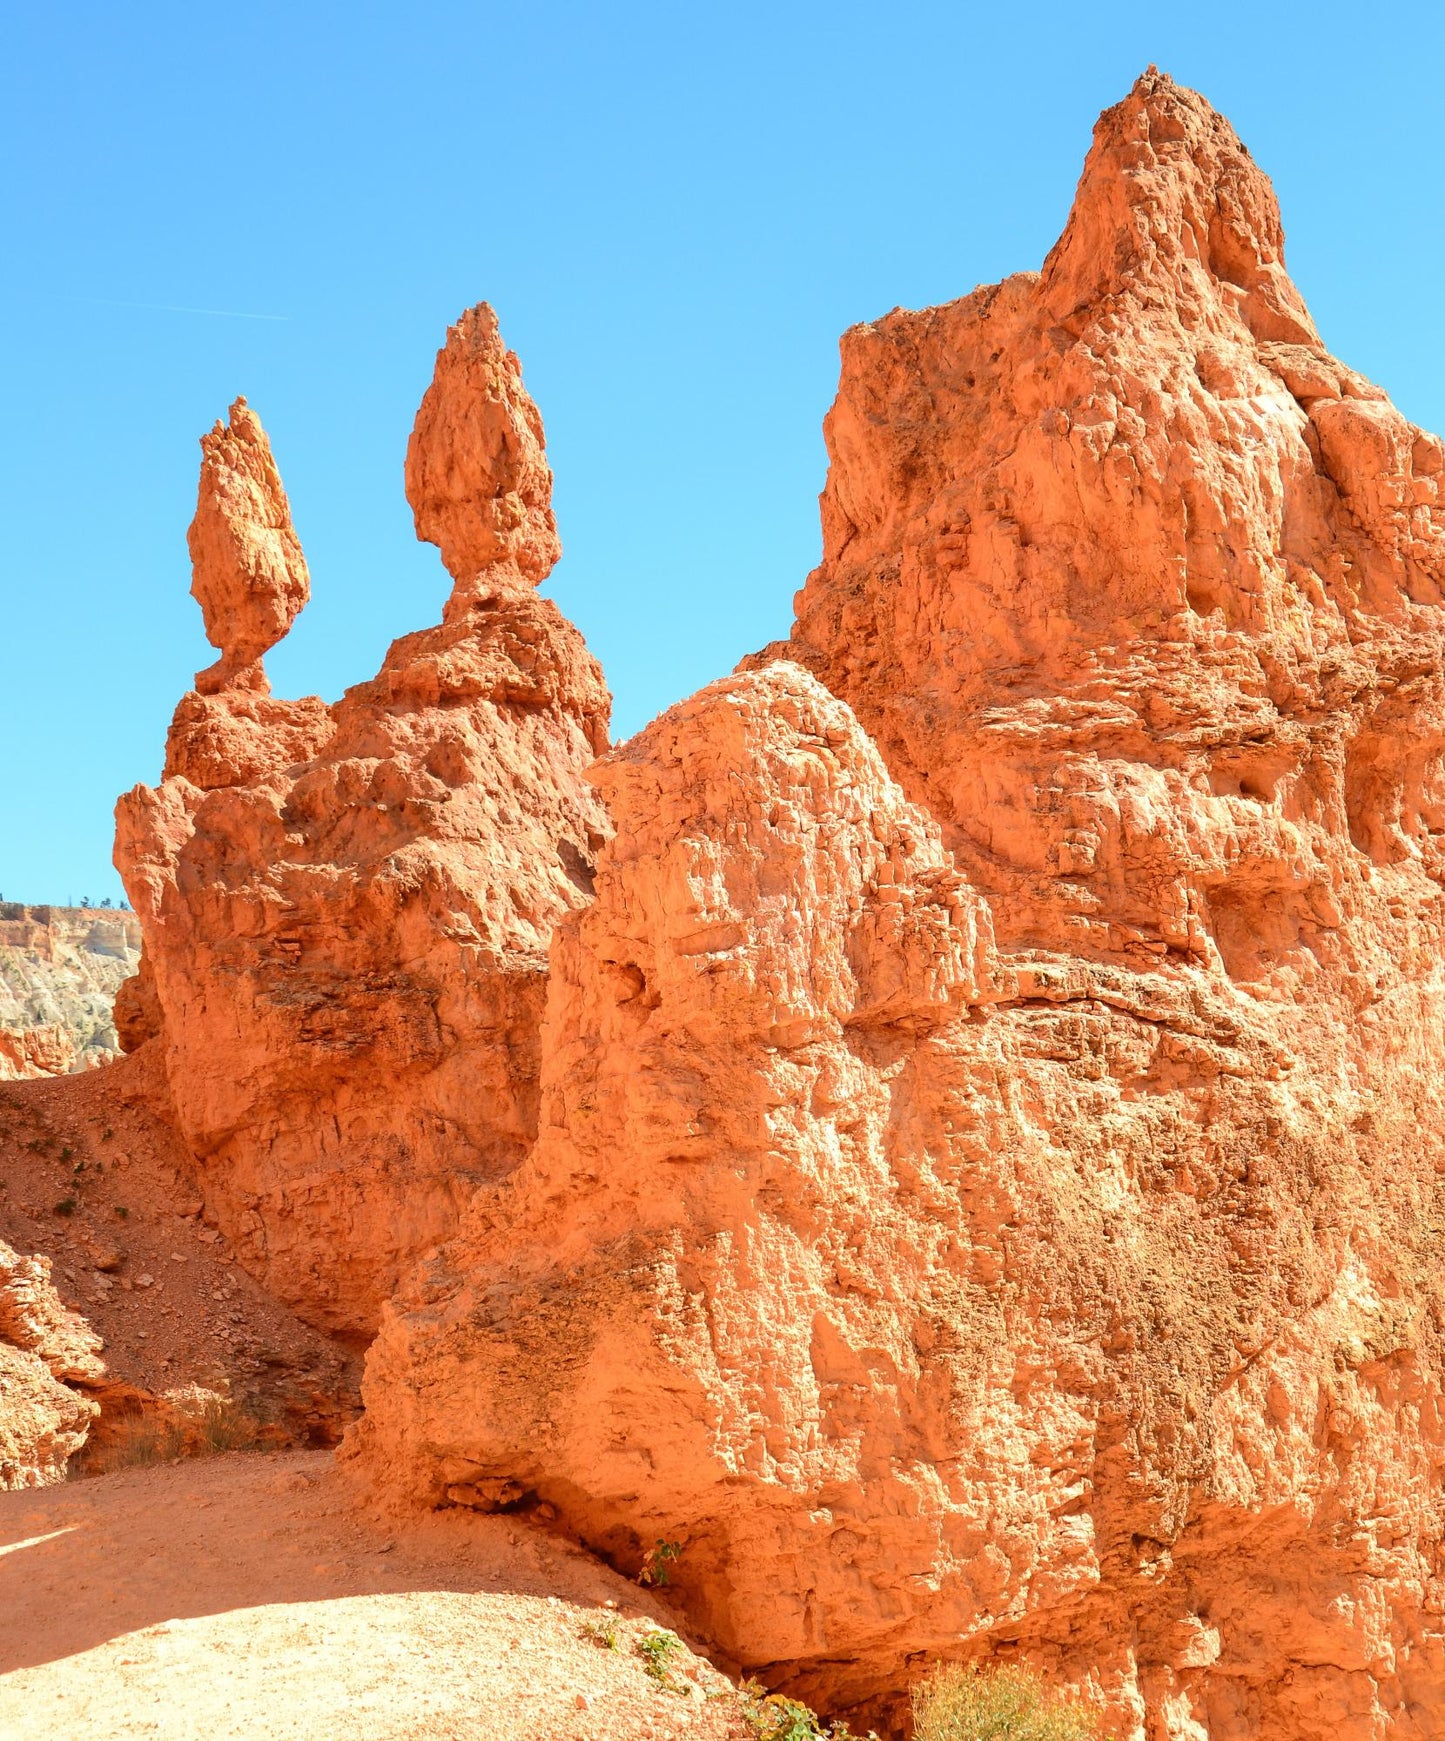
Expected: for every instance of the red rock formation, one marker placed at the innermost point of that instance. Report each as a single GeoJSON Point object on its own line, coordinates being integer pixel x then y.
{"type": "Point", "coordinates": [44, 1351]}
{"type": "Point", "coordinates": [347, 910]}
{"type": "Point", "coordinates": [1081, 1297]}
{"type": "Point", "coordinates": [248, 574]}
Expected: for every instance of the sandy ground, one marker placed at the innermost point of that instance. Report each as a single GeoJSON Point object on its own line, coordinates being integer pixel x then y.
{"type": "Point", "coordinates": [246, 1595]}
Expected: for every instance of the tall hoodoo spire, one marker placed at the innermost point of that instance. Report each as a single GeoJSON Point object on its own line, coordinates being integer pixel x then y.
{"type": "Point", "coordinates": [477, 475]}
{"type": "Point", "coordinates": [248, 573]}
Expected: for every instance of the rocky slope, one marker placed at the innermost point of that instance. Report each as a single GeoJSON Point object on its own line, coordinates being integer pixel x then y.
{"type": "Point", "coordinates": [971, 1181]}
{"type": "Point", "coordinates": [60, 968]}
{"type": "Point", "coordinates": [126, 1327]}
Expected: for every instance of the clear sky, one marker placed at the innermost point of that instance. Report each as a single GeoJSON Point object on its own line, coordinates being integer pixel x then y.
{"type": "Point", "coordinates": [675, 210]}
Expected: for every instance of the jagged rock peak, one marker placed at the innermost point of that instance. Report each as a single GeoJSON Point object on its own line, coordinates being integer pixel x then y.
{"type": "Point", "coordinates": [248, 573]}
{"type": "Point", "coordinates": [1169, 192]}
{"type": "Point", "coordinates": [477, 475]}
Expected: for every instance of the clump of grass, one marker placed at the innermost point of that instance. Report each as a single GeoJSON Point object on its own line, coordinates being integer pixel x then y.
{"type": "Point", "coordinates": [66, 1206]}
{"type": "Point", "coordinates": [140, 1441]}
{"type": "Point", "coordinates": [1011, 1702]}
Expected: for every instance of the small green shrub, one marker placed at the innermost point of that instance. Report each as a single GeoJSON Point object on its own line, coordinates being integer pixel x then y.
{"type": "Point", "coordinates": [658, 1650]}
{"type": "Point", "coordinates": [775, 1717]}
{"type": "Point", "coordinates": [1007, 1703]}
{"type": "Point", "coordinates": [658, 1561]}
{"type": "Point", "coordinates": [66, 1206]}
{"type": "Point", "coordinates": [606, 1632]}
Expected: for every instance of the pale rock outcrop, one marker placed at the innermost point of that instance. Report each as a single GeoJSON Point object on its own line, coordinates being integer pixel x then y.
{"type": "Point", "coordinates": [60, 969]}
{"type": "Point", "coordinates": [347, 910]}
{"type": "Point", "coordinates": [1077, 1292]}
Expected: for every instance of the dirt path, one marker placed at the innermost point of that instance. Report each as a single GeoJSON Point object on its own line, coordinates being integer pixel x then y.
{"type": "Point", "coordinates": [245, 1596]}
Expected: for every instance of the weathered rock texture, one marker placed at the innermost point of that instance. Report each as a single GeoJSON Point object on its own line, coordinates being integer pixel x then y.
{"type": "Point", "coordinates": [60, 968]}
{"type": "Point", "coordinates": [989, 1193]}
{"type": "Point", "coordinates": [347, 909]}
{"type": "Point", "coordinates": [247, 571]}
{"type": "Point", "coordinates": [45, 1351]}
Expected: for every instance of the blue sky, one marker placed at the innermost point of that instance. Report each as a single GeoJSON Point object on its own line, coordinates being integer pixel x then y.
{"type": "Point", "coordinates": [675, 210]}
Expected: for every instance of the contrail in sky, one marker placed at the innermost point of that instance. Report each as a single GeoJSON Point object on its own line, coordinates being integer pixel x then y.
{"type": "Point", "coordinates": [179, 308]}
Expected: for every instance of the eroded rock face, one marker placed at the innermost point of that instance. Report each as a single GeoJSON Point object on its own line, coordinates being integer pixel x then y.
{"type": "Point", "coordinates": [45, 1350]}
{"type": "Point", "coordinates": [347, 909]}
{"type": "Point", "coordinates": [1134, 583]}
{"type": "Point", "coordinates": [988, 1192]}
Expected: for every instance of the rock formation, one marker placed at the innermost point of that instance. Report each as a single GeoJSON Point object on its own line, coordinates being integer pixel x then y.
{"type": "Point", "coordinates": [60, 969]}
{"type": "Point", "coordinates": [347, 909]}
{"type": "Point", "coordinates": [987, 1195]}
{"type": "Point", "coordinates": [247, 571]}
{"type": "Point", "coordinates": [45, 1351]}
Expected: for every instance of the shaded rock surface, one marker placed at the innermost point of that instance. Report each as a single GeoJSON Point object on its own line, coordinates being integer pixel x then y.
{"type": "Point", "coordinates": [347, 909]}
{"type": "Point", "coordinates": [113, 1277]}
{"type": "Point", "coordinates": [987, 1195]}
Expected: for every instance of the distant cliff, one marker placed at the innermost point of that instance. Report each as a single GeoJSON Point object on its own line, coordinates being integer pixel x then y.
{"type": "Point", "coordinates": [59, 970]}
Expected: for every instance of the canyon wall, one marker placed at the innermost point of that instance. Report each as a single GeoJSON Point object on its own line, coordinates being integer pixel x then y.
{"type": "Point", "coordinates": [987, 1195]}
{"type": "Point", "coordinates": [347, 909]}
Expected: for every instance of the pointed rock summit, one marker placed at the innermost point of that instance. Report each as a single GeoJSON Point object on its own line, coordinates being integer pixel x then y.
{"type": "Point", "coordinates": [1118, 559]}
{"type": "Point", "coordinates": [477, 475]}
{"type": "Point", "coordinates": [1170, 200]}
{"type": "Point", "coordinates": [247, 571]}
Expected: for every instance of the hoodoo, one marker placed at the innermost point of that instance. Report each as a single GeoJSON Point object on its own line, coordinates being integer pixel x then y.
{"type": "Point", "coordinates": [247, 571]}
{"type": "Point", "coordinates": [347, 909]}
{"type": "Point", "coordinates": [986, 1195]}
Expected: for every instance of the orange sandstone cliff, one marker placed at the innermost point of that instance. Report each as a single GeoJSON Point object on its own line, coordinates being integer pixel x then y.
{"type": "Point", "coordinates": [944, 1127]}
{"type": "Point", "coordinates": [987, 1191]}
{"type": "Point", "coordinates": [347, 909]}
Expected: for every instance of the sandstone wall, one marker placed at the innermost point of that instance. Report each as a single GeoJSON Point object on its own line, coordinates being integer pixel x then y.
{"type": "Point", "coordinates": [988, 1189]}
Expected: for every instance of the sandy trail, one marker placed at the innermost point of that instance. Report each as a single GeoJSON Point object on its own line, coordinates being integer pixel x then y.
{"type": "Point", "coordinates": [247, 1596]}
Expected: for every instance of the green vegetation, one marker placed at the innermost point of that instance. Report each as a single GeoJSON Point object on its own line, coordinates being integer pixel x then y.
{"type": "Point", "coordinates": [1007, 1703]}
{"type": "Point", "coordinates": [606, 1632]}
{"type": "Point", "coordinates": [658, 1561]}
{"type": "Point", "coordinates": [658, 1650]}
{"type": "Point", "coordinates": [774, 1717]}
{"type": "Point", "coordinates": [66, 1206]}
